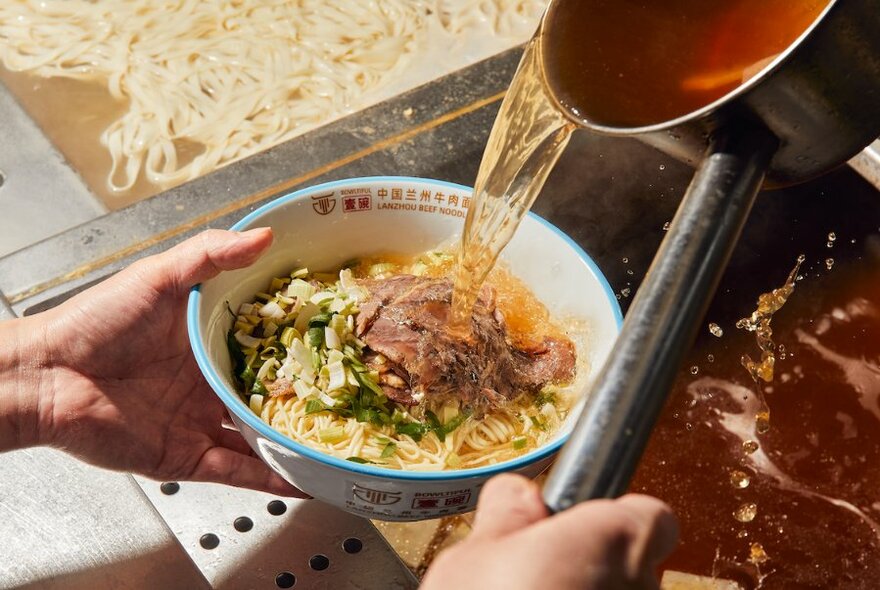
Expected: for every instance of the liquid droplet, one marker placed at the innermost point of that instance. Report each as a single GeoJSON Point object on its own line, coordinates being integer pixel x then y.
{"type": "Point", "coordinates": [739, 479]}
{"type": "Point", "coordinates": [716, 330]}
{"type": "Point", "coordinates": [832, 236]}
{"type": "Point", "coordinates": [742, 534]}
{"type": "Point", "coordinates": [750, 446]}
{"type": "Point", "coordinates": [625, 291]}
{"type": "Point", "coordinates": [626, 260]}
{"type": "Point", "coordinates": [758, 322]}
{"type": "Point", "coordinates": [762, 422]}
{"type": "Point", "coordinates": [629, 272]}
{"type": "Point", "coordinates": [666, 226]}
{"type": "Point", "coordinates": [688, 426]}
{"type": "Point", "coordinates": [746, 512]}
{"type": "Point", "coordinates": [829, 262]}
{"type": "Point", "coordinates": [710, 358]}
{"type": "Point", "coordinates": [662, 166]}
{"type": "Point", "coordinates": [695, 369]}
{"type": "Point", "coordinates": [757, 555]}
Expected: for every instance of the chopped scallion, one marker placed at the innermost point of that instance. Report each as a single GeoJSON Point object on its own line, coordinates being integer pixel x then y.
{"type": "Point", "coordinates": [287, 336]}
{"type": "Point", "coordinates": [336, 376]}
{"type": "Point", "coordinates": [259, 388]}
{"type": "Point", "coordinates": [320, 320]}
{"type": "Point", "coordinates": [331, 435]}
{"type": "Point", "coordinates": [389, 450]}
{"type": "Point", "coordinates": [315, 338]}
{"type": "Point", "coordinates": [300, 289]}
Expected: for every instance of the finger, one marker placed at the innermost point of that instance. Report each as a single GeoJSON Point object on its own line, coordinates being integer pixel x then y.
{"type": "Point", "coordinates": [206, 255]}
{"type": "Point", "coordinates": [507, 504]}
{"type": "Point", "coordinates": [223, 465]}
{"type": "Point", "coordinates": [659, 532]}
{"type": "Point", "coordinates": [629, 536]}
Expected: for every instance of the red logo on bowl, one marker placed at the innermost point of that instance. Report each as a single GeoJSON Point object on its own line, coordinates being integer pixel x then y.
{"type": "Point", "coordinates": [429, 501]}
{"type": "Point", "coordinates": [377, 497]}
{"type": "Point", "coordinates": [360, 203]}
{"type": "Point", "coordinates": [324, 204]}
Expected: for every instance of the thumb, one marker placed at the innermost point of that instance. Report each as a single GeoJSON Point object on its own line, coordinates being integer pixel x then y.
{"type": "Point", "coordinates": [205, 255]}
{"type": "Point", "coordinates": [507, 504]}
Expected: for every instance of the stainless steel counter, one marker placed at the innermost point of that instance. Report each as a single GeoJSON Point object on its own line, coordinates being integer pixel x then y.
{"type": "Point", "coordinates": [40, 195]}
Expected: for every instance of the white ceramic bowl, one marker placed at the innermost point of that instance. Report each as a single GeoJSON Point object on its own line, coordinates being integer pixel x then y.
{"type": "Point", "coordinates": [323, 226]}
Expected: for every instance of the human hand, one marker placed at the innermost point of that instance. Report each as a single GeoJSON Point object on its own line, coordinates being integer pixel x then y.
{"type": "Point", "coordinates": [514, 544]}
{"type": "Point", "coordinates": [119, 386]}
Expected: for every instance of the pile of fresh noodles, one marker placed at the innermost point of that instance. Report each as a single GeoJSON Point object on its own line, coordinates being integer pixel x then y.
{"type": "Point", "coordinates": [298, 364]}
{"type": "Point", "coordinates": [224, 79]}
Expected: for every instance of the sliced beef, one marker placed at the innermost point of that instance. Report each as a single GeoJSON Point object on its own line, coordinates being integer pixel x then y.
{"type": "Point", "coordinates": [405, 320]}
{"type": "Point", "coordinates": [392, 379]}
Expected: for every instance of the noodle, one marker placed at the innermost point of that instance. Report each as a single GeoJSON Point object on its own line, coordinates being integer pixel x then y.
{"type": "Point", "coordinates": [309, 413]}
{"type": "Point", "coordinates": [232, 78]}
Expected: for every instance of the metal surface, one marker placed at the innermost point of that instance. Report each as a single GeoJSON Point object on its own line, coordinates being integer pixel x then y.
{"type": "Point", "coordinates": [818, 98]}
{"type": "Point", "coordinates": [76, 526]}
{"type": "Point", "coordinates": [265, 546]}
{"type": "Point", "coordinates": [867, 163]}
{"type": "Point", "coordinates": [68, 525]}
{"type": "Point", "coordinates": [6, 312]}
{"type": "Point", "coordinates": [393, 137]}
{"type": "Point", "coordinates": [626, 398]}
{"type": "Point", "coordinates": [36, 184]}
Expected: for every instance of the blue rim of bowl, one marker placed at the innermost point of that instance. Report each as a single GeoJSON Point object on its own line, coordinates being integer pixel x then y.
{"type": "Point", "coordinates": [232, 400]}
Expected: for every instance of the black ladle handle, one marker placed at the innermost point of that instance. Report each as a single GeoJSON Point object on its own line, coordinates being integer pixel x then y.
{"type": "Point", "coordinates": [611, 433]}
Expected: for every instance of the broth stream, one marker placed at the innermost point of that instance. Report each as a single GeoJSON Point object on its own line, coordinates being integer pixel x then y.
{"type": "Point", "coordinates": [528, 137]}
{"type": "Point", "coordinates": [613, 63]}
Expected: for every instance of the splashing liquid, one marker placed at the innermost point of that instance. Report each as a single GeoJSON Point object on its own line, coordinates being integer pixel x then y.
{"type": "Point", "coordinates": [527, 139]}
{"type": "Point", "coordinates": [757, 555]}
{"type": "Point", "coordinates": [746, 512]}
{"type": "Point", "coordinates": [739, 479]}
{"type": "Point", "coordinates": [759, 323]}
{"type": "Point", "coordinates": [813, 477]}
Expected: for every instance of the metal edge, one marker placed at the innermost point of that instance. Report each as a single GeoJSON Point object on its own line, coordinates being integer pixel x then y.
{"type": "Point", "coordinates": [867, 163]}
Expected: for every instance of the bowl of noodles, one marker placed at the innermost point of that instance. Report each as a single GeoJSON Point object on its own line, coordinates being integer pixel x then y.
{"type": "Point", "coordinates": [339, 362]}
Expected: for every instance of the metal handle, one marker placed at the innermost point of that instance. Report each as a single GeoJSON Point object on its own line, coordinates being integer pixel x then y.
{"type": "Point", "coordinates": [613, 428]}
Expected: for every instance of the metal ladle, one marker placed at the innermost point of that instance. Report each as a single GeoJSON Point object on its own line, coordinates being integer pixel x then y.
{"type": "Point", "coordinates": [813, 109]}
